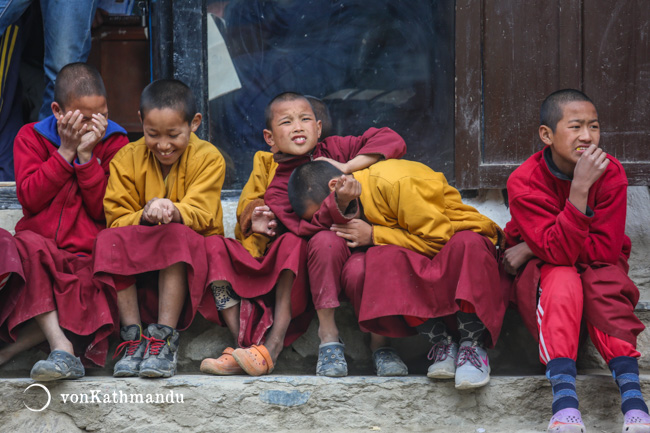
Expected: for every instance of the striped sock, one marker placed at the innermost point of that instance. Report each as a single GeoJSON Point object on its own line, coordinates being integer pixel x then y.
{"type": "Point", "coordinates": [561, 372]}
{"type": "Point", "coordinates": [625, 370]}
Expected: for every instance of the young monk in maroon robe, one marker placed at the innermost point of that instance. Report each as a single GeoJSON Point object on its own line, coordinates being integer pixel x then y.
{"type": "Point", "coordinates": [292, 133]}
{"type": "Point", "coordinates": [260, 318]}
{"type": "Point", "coordinates": [419, 252]}
{"type": "Point", "coordinates": [162, 198]}
{"type": "Point", "coordinates": [62, 166]}
{"type": "Point", "coordinates": [569, 251]}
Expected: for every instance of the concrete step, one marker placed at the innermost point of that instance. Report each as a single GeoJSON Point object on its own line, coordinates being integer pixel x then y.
{"type": "Point", "coordinates": [198, 403]}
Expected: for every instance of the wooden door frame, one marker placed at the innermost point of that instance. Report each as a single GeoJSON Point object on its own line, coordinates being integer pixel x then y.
{"type": "Point", "coordinates": [470, 170]}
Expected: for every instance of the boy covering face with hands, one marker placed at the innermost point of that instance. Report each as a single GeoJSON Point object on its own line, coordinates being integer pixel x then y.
{"type": "Point", "coordinates": [62, 166]}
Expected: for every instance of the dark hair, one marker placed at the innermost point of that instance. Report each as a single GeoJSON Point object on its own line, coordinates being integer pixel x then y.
{"type": "Point", "coordinates": [308, 184]}
{"type": "Point", "coordinates": [551, 111]}
{"type": "Point", "coordinates": [76, 80]}
{"type": "Point", "coordinates": [323, 114]}
{"type": "Point", "coordinates": [168, 93]}
{"type": "Point", "coordinates": [282, 97]}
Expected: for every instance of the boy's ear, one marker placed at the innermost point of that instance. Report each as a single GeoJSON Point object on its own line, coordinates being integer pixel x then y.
{"type": "Point", "coordinates": [546, 134]}
{"type": "Point", "coordinates": [57, 110]}
{"type": "Point", "coordinates": [196, 122]}
{"type": "Point", "coordinates": [320, 127]}
{"type": "Point", "coordinates": [268, 137]}
{"type": "Point", "coordinates": [140, 117]}
{"type": "Point", "coordinates": [332, 183]}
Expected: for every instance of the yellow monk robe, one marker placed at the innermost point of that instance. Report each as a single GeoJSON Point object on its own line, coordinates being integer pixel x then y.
{"type": "Point", "coordinates": [252, 195]}
{"type": "Point", "coordinates": [414, 207]}
{"type": "Point", "coordinates": [193, 185]}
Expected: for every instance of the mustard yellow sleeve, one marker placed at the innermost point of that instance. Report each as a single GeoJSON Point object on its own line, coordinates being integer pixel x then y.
{"type": "Point", "coordinates": [421, 224]}
{"type": "Point", "coordinates": [122, 205]}
{"type": "Point", "coordinates": [259, 180]}
{"type": "Point", "coordinates": [200, 208]}
{"type": "Point", "coordinates": [465, 217]}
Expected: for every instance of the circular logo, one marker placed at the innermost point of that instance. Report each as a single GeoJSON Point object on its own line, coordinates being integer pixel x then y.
{"type": "Point", "coordinates": [47, 391]}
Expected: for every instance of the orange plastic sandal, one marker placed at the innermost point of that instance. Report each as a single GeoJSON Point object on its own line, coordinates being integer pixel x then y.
{"type": "Point", "coordinates": [254, 360]}
{"type": "Point", "coordinates": [225, 365]}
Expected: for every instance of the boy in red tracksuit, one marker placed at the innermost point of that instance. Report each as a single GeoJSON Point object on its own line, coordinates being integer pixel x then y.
{"type": "Point", "coordinates": [62, 166]}
{"type": "Point", "coordinates": [569, 251]}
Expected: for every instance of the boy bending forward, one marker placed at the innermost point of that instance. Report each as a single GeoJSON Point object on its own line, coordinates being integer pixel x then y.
{"type": "Point", "coordinates": [431, 258]}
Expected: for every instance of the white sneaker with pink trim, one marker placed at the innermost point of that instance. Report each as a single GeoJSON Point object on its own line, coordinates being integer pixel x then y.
{"type": "Point", "coordinates": [472, 366]}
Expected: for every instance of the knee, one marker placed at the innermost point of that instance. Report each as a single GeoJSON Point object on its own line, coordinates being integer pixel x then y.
{"type": "Point", "coordinates": [353, 272]}
{"type": "Point", "coordinates": [563, 282]}
{"type": "Point", "coordinates": [469, 239]}
{"type": "Point", "coordinates": [326, 243]}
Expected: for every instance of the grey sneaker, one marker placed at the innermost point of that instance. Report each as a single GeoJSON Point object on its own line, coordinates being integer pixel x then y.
{"type": "Point", "coordinates": [331, 360]}
{"type": "Point", "coordinates": [59, 365]}
{"type": "Point", "coordinates": [472, 366]}
{"type": "Point", "coordinates": [443, 354]}
{"type": "Point", "coordinates": [388, 363]}
{"type": "Point", "coordinates": [161, 352]}
{"type": "Point", "coordinates": [134, 346]}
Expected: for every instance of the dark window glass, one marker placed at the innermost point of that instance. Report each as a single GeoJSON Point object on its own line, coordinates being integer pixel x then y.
{"type": "Point", "coordinates": [374, 63]}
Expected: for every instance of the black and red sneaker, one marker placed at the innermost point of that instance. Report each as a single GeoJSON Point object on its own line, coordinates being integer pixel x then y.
{"type": "Point", "coordinates": [133, 346]}
{"type": "Point", "coordinates": [161, 354]}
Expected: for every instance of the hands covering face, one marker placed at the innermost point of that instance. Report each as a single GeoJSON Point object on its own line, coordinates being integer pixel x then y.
{"type": "Point", "coordinates": [79, 138]}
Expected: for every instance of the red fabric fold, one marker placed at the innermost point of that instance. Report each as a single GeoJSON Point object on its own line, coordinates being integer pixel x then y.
{"type": "Point", "coordinates": [254, 279]}
{"type": "Point", "coordinates": [399, 282]}
{"type": "Point", "coordinates": [140, 251]}
{"type": "Point", "coordinates": [55, 279]}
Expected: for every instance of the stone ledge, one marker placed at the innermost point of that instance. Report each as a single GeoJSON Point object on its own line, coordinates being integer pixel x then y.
{"type": "Point", "coordinates": [299, 403]}
{"type": "Point", "coordinates": [515, 353]}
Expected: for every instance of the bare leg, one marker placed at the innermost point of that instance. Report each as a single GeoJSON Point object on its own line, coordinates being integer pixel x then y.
{"type": "Point", "coordinates": [282, 314]}
{"type": "Point", "coordinates": [377, 341]}
{"type": "Point", "coordinates": [231, 317]}
{"type": "Point", "coordinates": [29, 335]}
{"type": "Point", "coordinates": [49, 324]}
{"type": "Point", "coordinates": [172, 286]}
{"type": "Point", "coordinates": [127, 304]}
{"type": "Point", "coordinates": [327, 330]}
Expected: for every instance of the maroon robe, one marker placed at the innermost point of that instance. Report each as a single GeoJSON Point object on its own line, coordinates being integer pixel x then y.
{"type": "Point", "coordinates": [253, 279]}
{"type": "Point", "coordinates": [55, 279]}
{"type": "Point", "coordinates": [139, 251]}
{"type": "Point", "coordinates": [388, 282]}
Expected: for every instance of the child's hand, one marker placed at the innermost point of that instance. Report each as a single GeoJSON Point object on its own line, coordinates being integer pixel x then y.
{"type": "Point", "coordinates": [70, 129]}
{"type": "Point", "coordinates": [159, 211]}
{"type": "Point", "coordinates": [339, 165]}
{"type": "Point", "coordinates": [515, 257]}
{"type": "Point", "coordinates": [347, 189]}
{"type": "Point", "coordinates": [90, 139]}
{"type": "Point", "coordinates": [263, 221]}
{"type": "Point", "coordinates": [591, 165]}
{"type": "Point", "coordinates": [357, 233]}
